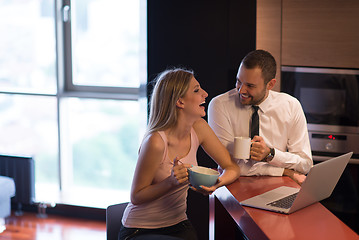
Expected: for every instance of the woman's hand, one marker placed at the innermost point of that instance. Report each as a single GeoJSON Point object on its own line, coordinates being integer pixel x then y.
{"type": "Point", "coordinates": [179, 173]}
{"type": "Point", "coordinates": [207, 190]}
{"type": "Point", "coordinates": [217, 151]}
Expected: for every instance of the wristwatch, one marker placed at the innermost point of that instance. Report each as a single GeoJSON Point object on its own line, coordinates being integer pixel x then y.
{"type": "Point", "coordinates": [270, 156]}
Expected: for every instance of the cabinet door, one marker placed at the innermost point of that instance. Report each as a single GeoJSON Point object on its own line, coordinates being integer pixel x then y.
{"type": "Point", "coordinates": [269, 31]}
{"type": "Point", "coordinates": [320, 33]}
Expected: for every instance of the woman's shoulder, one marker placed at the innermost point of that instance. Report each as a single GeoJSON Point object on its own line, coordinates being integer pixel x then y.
{"type": "Point", "coordinates": [200, 123]}
{"type": "Point", "coordinates": [201, 128]}
{"type": "Point", "coordinates": [154, 141]}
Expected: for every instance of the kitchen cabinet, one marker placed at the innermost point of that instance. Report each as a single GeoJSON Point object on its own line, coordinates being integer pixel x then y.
{"type": "Point", "coordinates": [269, 31]}
{"type": "Point", "coordinates": [321, 33]}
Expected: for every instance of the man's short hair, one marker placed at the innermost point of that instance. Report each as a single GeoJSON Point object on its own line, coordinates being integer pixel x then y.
{"type": "Point", "coordinates": [262, 59]}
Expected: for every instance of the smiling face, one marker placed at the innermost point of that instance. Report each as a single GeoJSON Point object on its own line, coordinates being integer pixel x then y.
{"type": "Point", "coordinates": [251, 87]}
{"type": "Point", "coordinates": [194, 99]}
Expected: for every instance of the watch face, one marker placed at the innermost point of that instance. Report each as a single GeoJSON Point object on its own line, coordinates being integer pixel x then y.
{"type": "Point", "coordinates": [269, 158]}
{"type": "Point", "coordinates": [272, 152]}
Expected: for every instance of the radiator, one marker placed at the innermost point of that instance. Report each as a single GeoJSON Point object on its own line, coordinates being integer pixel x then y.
{"type": "Point", "coordinates": [21, 169]}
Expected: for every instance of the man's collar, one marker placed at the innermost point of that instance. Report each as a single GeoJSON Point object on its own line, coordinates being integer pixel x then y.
{"type": "Point", "coordinates": [263, 106]}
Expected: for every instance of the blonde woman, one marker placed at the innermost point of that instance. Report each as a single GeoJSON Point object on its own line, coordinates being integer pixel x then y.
{"type": "Point", "coordinates": [175, 131]}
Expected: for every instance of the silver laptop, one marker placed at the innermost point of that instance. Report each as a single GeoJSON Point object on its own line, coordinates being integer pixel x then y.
{"type": "Point", "coordinates": [318, 185]}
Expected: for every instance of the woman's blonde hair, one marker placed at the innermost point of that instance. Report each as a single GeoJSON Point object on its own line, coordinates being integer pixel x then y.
{"type": "Point", "coordinates": [170, 85]}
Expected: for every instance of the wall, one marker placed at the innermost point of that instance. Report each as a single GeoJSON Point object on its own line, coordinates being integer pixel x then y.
{"type": "Point", "coordinates": [211, 37]}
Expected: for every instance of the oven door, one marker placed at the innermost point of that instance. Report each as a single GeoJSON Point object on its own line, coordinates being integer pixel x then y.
{"type": "Point", "coordinates": [330, 100]}
{"type": "Point", "coordinates": [329, 97]}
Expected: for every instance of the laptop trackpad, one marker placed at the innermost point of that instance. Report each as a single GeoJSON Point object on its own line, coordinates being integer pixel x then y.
{"type": "Point", "coordinates": [272, 195]}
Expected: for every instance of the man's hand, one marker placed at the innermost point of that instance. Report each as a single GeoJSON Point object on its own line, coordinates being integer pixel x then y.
{"type": "Point", "coordinates": [259, 149]}
{"type": "Point", "coordinates": [296, 176]}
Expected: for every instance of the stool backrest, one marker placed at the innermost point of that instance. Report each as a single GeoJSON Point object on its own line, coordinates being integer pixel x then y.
{"type": "Point", "coordinates": [113, 220]}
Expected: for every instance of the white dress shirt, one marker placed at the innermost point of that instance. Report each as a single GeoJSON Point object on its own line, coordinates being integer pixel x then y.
{"type": "Point", "coordinates": [282, 125]}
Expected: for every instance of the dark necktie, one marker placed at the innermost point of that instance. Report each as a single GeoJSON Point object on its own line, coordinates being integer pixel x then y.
{"type": "Point", "coordinates": [255, 122]}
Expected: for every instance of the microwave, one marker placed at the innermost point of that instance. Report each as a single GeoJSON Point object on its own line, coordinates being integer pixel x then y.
{"type": "Point", "coordinates": [330, 101]}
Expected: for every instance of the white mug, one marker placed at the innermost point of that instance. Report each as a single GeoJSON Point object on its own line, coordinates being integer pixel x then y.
{"type": "Point", "coordinates": [242, 147]}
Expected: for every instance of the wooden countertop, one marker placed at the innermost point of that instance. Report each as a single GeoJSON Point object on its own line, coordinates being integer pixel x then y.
{"type": "Point", "coordinates": [312, 222]}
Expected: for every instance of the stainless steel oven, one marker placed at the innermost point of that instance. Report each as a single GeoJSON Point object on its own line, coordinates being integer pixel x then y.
{"type": "Point", "coordinates": [330, 100]}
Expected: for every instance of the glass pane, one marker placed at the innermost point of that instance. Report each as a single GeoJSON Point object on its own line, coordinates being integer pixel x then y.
{"type": "Point", "coordinates": [28, 126]}
{"type": "Point", "coordinates": [27, 46]}
{"type": "Point", "coordinates": [106, 42]}
{"type": "Point", "coordinates": [100, 148]}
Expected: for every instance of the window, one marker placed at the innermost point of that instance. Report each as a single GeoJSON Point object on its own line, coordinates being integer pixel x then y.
{"type": "Point", "coordinates": [72, 94]}
{"type": "Point", "coordinates": [28, 57]}
{"type": "Point", "coordinates": [105, 43]}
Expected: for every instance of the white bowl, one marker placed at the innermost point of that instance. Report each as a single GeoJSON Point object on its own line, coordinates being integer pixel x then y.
{"type": "Point", "coordinates": [202, 176]}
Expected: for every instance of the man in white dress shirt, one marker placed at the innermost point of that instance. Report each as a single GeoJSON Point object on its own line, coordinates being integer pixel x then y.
{"type": "Point", "coordinates": [282, 147]}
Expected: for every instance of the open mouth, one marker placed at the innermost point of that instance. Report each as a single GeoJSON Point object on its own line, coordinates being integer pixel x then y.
{"type": "Point", "coordinates": [202, 104]}
{"type": "Point", "coordinates": [245, 96]}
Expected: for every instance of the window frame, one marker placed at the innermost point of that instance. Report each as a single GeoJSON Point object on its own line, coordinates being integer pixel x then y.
{"type": "Point", "coordinates": [64, 53]}
{"type": "Point", "coordinates": [66, 88]}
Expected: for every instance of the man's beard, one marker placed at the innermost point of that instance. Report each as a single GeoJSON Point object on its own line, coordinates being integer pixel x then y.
{"type": "Point", "coordinates": [252, 100]}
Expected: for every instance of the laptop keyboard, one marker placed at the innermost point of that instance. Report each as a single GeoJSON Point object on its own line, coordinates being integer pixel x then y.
{"type": "Point", "coordinates": [285, 202]}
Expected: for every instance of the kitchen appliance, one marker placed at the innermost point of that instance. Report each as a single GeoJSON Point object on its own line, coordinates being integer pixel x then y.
{"type": "Point", "coordinates": [330, 100]}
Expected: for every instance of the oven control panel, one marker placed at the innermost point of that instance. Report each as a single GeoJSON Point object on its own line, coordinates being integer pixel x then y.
{"type": "Point", "coordinates": [336, 143]}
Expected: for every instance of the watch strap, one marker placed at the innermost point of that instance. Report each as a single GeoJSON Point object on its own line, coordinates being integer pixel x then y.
{"type": "Point", "coordinates": [270, 155]}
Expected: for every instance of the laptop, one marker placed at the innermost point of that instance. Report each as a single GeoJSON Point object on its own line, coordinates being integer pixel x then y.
{"type": "Point", "coordinates": [318, 185]}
